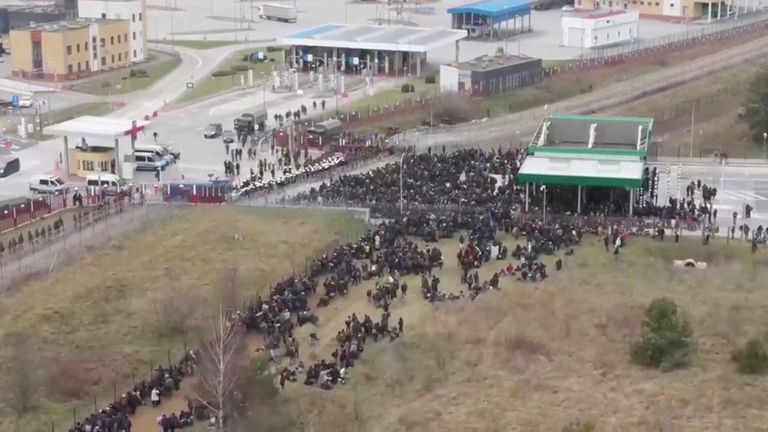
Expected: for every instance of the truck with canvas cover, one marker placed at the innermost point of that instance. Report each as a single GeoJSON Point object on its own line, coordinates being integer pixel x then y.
{"type": "Point", "coordinates": [249, 122]}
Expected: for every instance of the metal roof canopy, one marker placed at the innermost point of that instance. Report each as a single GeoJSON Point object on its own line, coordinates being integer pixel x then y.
{"type": "Point", "coordinates": [586, 168]}
{"type": "Point", "coordinates": [372, 37]}
{"type": "Point", "coordinates": [92, 126]}
{"type": "Point", "coordinates": [496, 9]}
{"type": "Point", "coordinates": [610, 132]}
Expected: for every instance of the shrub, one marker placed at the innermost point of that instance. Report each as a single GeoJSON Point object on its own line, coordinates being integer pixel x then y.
{"type": "Point", "coordinates": [752, 358]}
{"type": "Point", "coordinates": [222, 73]}
{"type": "Point", "coordinates": [407, 88]}
{"type": "Point", "coordinates": [2, 248]}
{"type": "Point", "coordinates": [667, 339]}
{"type": "Point", "coordinates": [430, 79]}
{"type": "Point", "coordinates": [138, 73]}
{"type": "Point", "coordinates": [240, 68]}
{"type": "Point", "coordinates": [579, 426]}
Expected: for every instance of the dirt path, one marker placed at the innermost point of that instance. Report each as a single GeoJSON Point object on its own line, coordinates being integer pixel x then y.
{"type": "Point", "coordinates": [503, 130]}
{"type": "Point", "coordinates": [145, 419]}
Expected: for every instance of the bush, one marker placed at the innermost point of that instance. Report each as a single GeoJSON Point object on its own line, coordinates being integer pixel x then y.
{"type": "Point", "coordinates": [274, 49]}
{"type": "Point", "coordinates": [579, 426]}
{"type": "Point", "coordinates": [667, 339]}
{"type": "Point", "coordinates": [222, 73]}
{"type": "Point", "coordinates": [240, 68]}
{"type": "Point", "coordinates": [752, 358]}
{"type": "Point", "coordinates": [430, 79]}
{"type": "Point", "coordinates": [138, 73]}
{"type": "Point", "coordinates": [407, 88]}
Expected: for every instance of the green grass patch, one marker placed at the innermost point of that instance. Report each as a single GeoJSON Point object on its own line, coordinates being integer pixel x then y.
{"type": "Point", "coordinates": [195, 44]}
{"type": "Point", "coordinates": [120, 82]}
{"type": "Point", "coordinates": [120, 309]}
{"type": "Point", "coordinates": [212, 85]}
{"type": "Point", "coordinates": [394, 96]}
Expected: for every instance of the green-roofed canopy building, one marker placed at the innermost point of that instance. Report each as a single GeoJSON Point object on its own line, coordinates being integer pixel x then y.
{"type": "Point", "coordinates": [588, 151]}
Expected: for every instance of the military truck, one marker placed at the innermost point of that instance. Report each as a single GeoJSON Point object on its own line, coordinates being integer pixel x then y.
{"type": "Point", "coordinates": [248, 123]}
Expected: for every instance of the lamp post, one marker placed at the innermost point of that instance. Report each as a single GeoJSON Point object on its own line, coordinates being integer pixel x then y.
{"type": "Point", "coordinates": [402, 161]}
{"type": "Point", "coordinates": [765, 137]}
{"type": "Point", "coordinates": [544, 207]}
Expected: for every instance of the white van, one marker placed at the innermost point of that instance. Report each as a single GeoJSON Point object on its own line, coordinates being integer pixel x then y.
{"type": "Point", "coordinates": [47, 184]}
{"type": "Point", "coordinates": [161, 152]}
{"type": "Point", "coordinates": [149, 161]}
{"type": "Point", "coordinates": [109, 182]}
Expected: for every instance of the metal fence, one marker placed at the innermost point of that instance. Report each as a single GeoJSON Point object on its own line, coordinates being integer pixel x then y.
{"type": "Point", "coordinates": [693, 35]}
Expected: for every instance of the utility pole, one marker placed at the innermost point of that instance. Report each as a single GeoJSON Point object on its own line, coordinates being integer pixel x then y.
{"type": "Point", "coordinates": [693, 123]}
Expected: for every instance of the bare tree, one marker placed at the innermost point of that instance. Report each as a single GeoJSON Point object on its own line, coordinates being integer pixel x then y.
{"type": "Point", "coordinates": [218, 370]}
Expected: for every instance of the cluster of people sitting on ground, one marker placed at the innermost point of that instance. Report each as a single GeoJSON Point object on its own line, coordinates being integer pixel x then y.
{"type": "Point", "coordinates": [163, 383]}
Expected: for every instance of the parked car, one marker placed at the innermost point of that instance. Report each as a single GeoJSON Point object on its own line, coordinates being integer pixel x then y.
{"type": "Point", "coordinates": [47, 184]}
{"type": "Point", "coordinates": [228, 136]}
{"type": "Point", "coordinates": [568, 8]}
{"type": "Point", "coordinates": [213, 130]}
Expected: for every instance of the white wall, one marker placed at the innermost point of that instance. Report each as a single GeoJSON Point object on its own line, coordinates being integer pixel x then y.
{"type": "Point", "coordinates": [93, 32]}
{"type": "Point", "coordinates": [130, 10]}
{"type": "Point", "coordinates": [449, 79]}
{"type": "Point", "coordinates": [610, 30]}
{"type": "Point", "coordinates": [672, 7]}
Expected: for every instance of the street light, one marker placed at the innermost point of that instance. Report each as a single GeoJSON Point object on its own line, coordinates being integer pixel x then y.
{"type": "Point", "coordinates": [544, 214]}
{"type": "Point", "coordinates": [765, 137]}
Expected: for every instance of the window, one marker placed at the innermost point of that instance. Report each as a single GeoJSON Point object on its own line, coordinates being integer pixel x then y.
{"type": "Point", "coordinates": [118, 38]}
{"type": "Point", "coordinates": [77, 47]}
{"type": "Point", "coordinates": [133, 17]}
{"type": "Point", "coordinates": [134, 35]}
{"type": "Point", "coordinates": [79, 68]}
{"type": "Point", "coordinates": [657, 3]}
{"type": "Point", "coordinates": [578, 2]}
{"type": "Point", "coordinates": [103, 16]}
{"type": "Point", "coordinates": [610, 3]}
{"type": "Point", "coordinates": [70, 69]}
{"type": "Point", "coordinates": [134, 54]}
{"type": "Point", "coordinates": [87, 165]}
{"type": "Point", "coordinates": [125, 37]}
{"type": "Point", "coordinates": [111, 40]}
{"type": "Point", "coordinates": [619, 34]}
{"type": "Point", "coordinates": [139, 16]}
{"type": "Point", "coordinates": [104, 61]}
{"type": "Point", "coordinates": [125, 56]}
{"type": "Point", "coordinates": [119, 56]}
{"type": "Point", "coordinates": [103, 42]}
{"type": "Point", "coordinates": [85, 48]}
{"type": "Point", "coordinates": [672, 5]}
{"type": "Point", "coordinates": [87, 65]}
{"type": "Point", "coordinates": [69, 49]}
{"type": "Point", "coordinates": [103, 166]}
{"type": "Point", "coordinates": [113, 59]}
{"type": "Point", "coordinates": [642, 3]}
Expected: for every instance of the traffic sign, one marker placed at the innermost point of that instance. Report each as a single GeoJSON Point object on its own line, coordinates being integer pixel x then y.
{"type": "Point", "coordinates": [15, 101]}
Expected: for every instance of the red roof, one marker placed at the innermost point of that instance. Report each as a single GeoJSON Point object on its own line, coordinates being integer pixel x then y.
{"type": "Point", "coordinates": [605, 14]}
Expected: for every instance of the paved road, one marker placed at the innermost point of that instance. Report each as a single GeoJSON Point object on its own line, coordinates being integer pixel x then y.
{"type": "Point", "coordinates": [736, 187]}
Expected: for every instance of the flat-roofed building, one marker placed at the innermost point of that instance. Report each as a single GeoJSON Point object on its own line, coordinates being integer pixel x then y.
{"type": "Point", "coordinates": [133, 11]}
{"type": "Point", "coordinates": [491, 74]}
{"type": "Point", "coordinates": [69, 49]}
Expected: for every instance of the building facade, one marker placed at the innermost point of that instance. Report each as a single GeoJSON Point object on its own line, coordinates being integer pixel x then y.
{"type": "Point", "coordinates": [600, 29]}
{"type": "Point", "coordinates": [491, 75]}
{"type": "Point", "coordinates": [688, 9]}
{"type": "Point", "coordinates": [69, 49]}
{"type": "Point", "coordinates": [132, 11]}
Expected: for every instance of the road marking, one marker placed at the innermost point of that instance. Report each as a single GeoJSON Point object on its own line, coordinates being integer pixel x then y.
{"type": "Point", "coordinates": [740, 195]}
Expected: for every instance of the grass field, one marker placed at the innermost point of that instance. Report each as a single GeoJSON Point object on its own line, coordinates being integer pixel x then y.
{"type": "Point", "coordinates": [212, 85]}
{"type": "Point", "coordinates": [717, 126]}
{"type": "Point", "coordinates": [536, 357]}
{"type": "Point", "coordinates": [119, 82]}
{"type": "Point", "coordinates": [119, 310]}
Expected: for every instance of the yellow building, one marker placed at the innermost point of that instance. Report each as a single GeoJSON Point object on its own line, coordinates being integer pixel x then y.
{"type": "Point", "coordinates": [69, 49]}
{"type": "Point", "coordinates": [93, 160]}
{"type": "Point", "coordinates": [688, 9]}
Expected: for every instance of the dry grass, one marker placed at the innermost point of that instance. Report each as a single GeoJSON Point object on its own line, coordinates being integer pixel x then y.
{"type": "Point", "coordinates": [536, 357]}
{"type": "Point", "coordinates": [718, 99]}
{"type": "Point", "coordinates": [98, 321]}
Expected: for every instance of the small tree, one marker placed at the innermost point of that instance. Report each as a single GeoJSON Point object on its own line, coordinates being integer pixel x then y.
{"type": "Point", "coordinates": [667, 339]}
{"type": "Point", "coordinates": [407, 88]}
{"type": "Point", "coordinates": [218, 370]}
{"type": "Point", "coordinates": [20, 241]}
{"type": "Point", "coordinates": [752, 358]}
{"type": "Point", "coordinates": [430, 79]}
{"type": "Point", "coordinates": [30, 237]}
